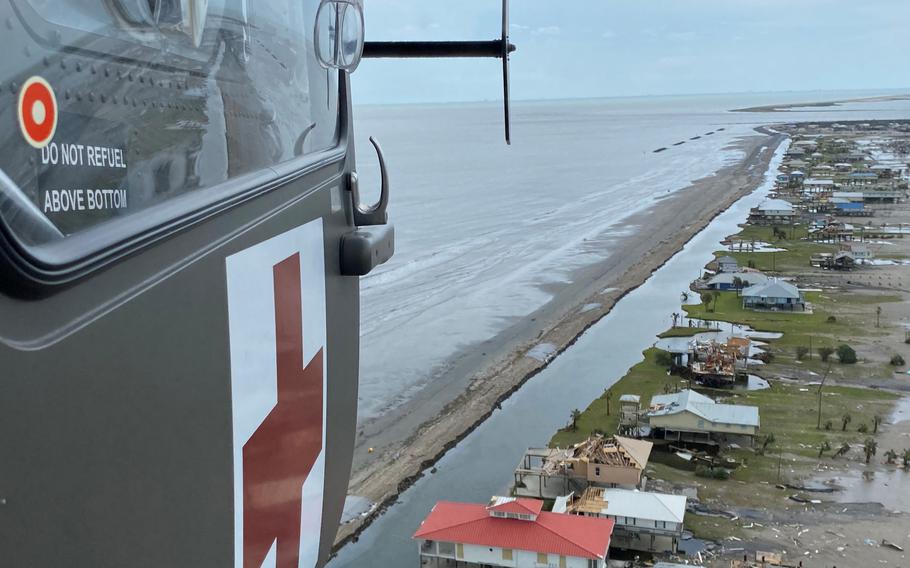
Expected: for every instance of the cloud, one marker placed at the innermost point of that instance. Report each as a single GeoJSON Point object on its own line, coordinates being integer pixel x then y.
{"type": "Point", "coordinates": [683, 36]}
{"type": "Point", "coordinates": [547, 30]}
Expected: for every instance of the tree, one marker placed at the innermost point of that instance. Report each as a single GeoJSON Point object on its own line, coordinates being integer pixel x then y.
{"type": "Point", "coordinates": [663, 358]}
{"type": "Point", "coordinates": [768, 440]}
{"type": "Point", "coordinates": [576, 414]}
{"type": "Point", "coordinates": [846, 419]}
{"type": "Point", "coordinates": [878, 316]}
{"type": "Point", "coordinates": [876, 420]}
{"type": "Point", "coordinates": [890, 457]}
{"type": "Point", "coordinates": [842, 450]}
{"type": "Point", "coordinates": [870, 447]}
{"type": "Point", "coordinates": [801, 352]}
{"type": "Point", "coordinates": [716, 295]}
{"type": "Point", "coordinates": [706, 300]}
{"type": "Point", "coordinates": [897, 361]}
{"type": "Point", "coordinates": [608, 395]}
{"type": "Point", "coordinates": [824, 353]}
{"type": "Point", "coordinates": [863, 429]}
{"type": "Point", "coordinates": [824, 447]}
{"type": "Point", "coordinates": [737, 282]}
{"type": "Point", "coordinates": [845, 354]}
{"type": "Point", "coordinates": [905, 457]}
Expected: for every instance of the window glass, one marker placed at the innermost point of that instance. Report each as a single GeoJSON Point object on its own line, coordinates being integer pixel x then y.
{"type": "Point", "coordinates": [111, 107]}
{"type": "Point", "coordinates": [446, 549]}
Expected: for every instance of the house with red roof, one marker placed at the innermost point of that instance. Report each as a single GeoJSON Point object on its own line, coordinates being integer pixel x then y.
{"type": "Point", "coordinates": [512, 532]}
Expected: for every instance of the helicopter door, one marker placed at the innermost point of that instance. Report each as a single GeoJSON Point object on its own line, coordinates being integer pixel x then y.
{"type": "Point", "coordinates": [178, 344]}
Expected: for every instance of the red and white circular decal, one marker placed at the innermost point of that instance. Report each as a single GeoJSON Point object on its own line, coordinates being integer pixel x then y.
{"type": "Point", "coordinates": [37, 111]}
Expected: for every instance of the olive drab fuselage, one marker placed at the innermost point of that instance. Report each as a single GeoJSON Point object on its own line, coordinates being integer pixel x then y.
{"type": "Point", "coordinates": [178, 342]}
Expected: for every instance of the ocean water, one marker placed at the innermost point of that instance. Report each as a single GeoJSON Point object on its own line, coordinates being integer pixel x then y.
{"type": "Point", "coordinates": [485, 231]}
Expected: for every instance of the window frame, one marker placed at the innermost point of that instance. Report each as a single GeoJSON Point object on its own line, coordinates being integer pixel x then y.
{"type": "Point", "coordinates": [37, 271]}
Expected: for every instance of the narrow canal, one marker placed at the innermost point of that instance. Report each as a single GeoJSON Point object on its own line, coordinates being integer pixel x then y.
{"type": "Point", "coordinates": [482, 464]}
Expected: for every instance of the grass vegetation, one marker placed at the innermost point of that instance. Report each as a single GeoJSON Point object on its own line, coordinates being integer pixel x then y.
{"type": "Point", "coordinates": [797, 327]}
{"type": "Point", "coordinates": [788, 411]}
{"type": "Point", "coordinates": [684, 332]}
{"type": "Point", "coordinates": [796, 256]}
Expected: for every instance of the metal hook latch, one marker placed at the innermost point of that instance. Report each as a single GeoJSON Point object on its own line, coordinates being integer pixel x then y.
{"type": "Point", "coordinates": [373, 241]}
{"type": "Point", "coordinates": [375, 214]}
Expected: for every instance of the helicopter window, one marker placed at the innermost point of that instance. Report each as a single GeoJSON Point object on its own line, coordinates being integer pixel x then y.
{"type": "Point", "coordinates": [112, 107]}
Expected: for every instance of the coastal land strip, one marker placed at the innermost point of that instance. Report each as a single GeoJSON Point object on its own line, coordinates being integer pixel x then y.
{"type": "Point", "coordinates": [411, 439]}
{"type": "Point", "coordinates": [825, 105]}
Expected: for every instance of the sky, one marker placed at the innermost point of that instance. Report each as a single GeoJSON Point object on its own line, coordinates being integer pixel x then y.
{"type": "Point", "coordinates": [607, 48]}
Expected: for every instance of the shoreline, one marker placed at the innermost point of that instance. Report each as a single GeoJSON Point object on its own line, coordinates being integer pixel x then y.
{"type": "Point", "coordinates": [823, 104]}
{"type": "Point", "coordinates": [676, 219]}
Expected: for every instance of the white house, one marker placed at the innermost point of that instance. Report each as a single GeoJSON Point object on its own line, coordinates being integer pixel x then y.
{"type": "Point", "coordinates": [729, 280]}
{"type": "Point", "coordinates": [772, 211]}
{"type": "Point", "coordinates": [511, 532]}
{"type": "Point", "coordinates": [773, 295]}
{"type": "Point", "coordinates": [814, 185]}
{"type": "Point", "coordinates": [727, 264]}
{"type": "Point", "coordinates": [688, 415]}
{"type": "Point", "coordinates": [650, 522]}
{"type": "Point", "coordinates": [860, 250]}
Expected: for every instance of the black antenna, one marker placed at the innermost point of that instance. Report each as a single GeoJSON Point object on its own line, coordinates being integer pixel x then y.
{"type": "Point", "coordinates": [499, 48]}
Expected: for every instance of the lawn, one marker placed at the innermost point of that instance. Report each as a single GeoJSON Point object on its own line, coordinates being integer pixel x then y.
{"type": "Point", "coordinates": [805, 330]}
{"type": "Point", "coordinates": [796, 326]}
{"type": "Point", "coordinates": [796, 256]}
{"type": "Point", "coordinates": [684, 332]}
{"type": "Point", "coordinates": [789, 411]}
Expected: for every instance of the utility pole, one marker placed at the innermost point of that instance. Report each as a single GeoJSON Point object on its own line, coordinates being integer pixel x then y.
{"type": "Point", "coordinates": [818, 426]}
{"type": "Point", "coordinates": [780, 458]}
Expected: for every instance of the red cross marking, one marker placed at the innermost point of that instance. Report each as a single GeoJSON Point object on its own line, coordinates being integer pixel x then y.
{"type": "Point", "coordinates": [281, 452]}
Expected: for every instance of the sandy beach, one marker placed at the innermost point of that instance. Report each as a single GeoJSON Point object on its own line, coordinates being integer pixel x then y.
{"type": "Point", "coordinates": [410, 439]}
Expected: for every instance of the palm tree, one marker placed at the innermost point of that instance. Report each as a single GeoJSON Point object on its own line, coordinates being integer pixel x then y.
{"type": "Point", "coordinates": [876, 420]}
{"type": "Point", "coordinates": [716, 297]}
{"type": "Point", "coordinates": [905, 457]}
{"type": "Point", "coordinates": [870, 447]}
{"type": "Point", "coordinates": [842, 450]}
{"type": "Point", "coordinates": [706, 300]}
{"type": "Point", "coordinates": [576, 414]}
{"type": "Point", "coordinates": [769, 439]}
{"type": "Point", "coordinates": [890, 457]}
{"type": "Point", "coordinates": [844, 421]}
{"type": "Point", "coordinates": [608, 394]}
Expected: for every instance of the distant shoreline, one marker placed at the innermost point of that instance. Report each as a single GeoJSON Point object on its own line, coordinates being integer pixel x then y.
{"type": "Point", "coordinates": [821, 104]}
{"type": "Point", "coordinates": [660, 232]}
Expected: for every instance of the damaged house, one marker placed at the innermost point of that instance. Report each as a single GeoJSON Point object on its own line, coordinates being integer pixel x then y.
{"type": "Point", "coordinates": [599, 461]}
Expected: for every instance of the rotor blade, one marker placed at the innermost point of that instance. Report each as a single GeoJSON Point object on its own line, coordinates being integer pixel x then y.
{"type": "Point", "coordinates": [505, 71]}
{"type": "Point", "coordinates": [505, 21]}
{"type": "Point", "coordinates": [505, 98]}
